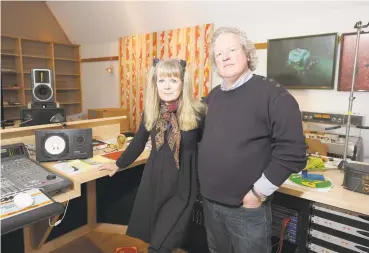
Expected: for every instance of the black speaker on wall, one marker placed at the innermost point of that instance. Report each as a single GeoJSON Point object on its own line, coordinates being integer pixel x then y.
{"type": "Point", "coordinates": [63, 144]}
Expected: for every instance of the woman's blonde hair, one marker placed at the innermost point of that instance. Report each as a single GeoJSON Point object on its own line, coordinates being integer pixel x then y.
{"type": "Point", "coordinates": [189, 109]}
{"type": "Point", "coordinates": [247, 45]}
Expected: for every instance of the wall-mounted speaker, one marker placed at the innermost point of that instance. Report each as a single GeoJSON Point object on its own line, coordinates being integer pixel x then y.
{"type": "Point", "coordinates": [42, 86]}
{"type": "Point", "coordinates": [63, 144]}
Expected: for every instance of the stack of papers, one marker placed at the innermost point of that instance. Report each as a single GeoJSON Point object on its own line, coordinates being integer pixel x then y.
{"type": "Point", "coordinates": [77, 166]}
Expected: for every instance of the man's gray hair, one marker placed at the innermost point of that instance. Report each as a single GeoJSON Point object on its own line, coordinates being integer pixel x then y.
{"type": "Point", "coordinates": [247, 45]}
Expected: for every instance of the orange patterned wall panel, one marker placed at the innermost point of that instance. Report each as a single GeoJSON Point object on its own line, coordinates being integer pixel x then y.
{"type": "Point", "coordinates": [137, 52]}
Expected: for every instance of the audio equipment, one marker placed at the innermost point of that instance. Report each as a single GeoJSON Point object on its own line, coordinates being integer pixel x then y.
{"type": "Point", "coordinates": [331, 118]}
{"type": "Point", "coordinates": [19, 172]}
{"type": "Point", "coordinates": [42, 88]}
{"type": "Point", "coordinates": [356, 177]}
{"type": "Point", "coordinates": [42, 116]}
{"type": "Point", "coordinates": [290, 220]}
{"type": "Point", "coordinates": [336, 230]}
{"type": "Point", "coordinates": [26, 190]}
{"type": "Point", "coordinates": [285, 222]}
{"type": "Point", "coordinates": [63, 144]}
{"type": "Point", "coordinates": [15, 214]}
{"type": "Point", "coordinates": [336, 145]}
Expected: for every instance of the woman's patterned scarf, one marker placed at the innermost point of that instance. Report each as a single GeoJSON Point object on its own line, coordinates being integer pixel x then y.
{"type": "Point", "coordinates": [167, 121]}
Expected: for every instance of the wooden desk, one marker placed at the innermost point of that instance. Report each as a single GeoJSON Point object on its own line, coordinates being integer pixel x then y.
{"type": "Point", "coordinates": [104, 127]}
{"type": "Point", "coordinates": [36, 235]}
{"type": "Point", "coordinates": [88, 176]}
{"type": "Point", "coordinates": [337, 196]}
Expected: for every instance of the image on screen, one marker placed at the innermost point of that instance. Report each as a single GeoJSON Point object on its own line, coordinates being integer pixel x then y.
{"type": "Point", "coordinates": [303, 62]}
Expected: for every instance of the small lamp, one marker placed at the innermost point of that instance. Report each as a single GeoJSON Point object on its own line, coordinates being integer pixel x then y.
{"type": "Point", "coordinates": [110, 69]}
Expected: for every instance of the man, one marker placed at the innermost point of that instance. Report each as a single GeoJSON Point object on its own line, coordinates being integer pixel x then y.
{"type": "Point", "coordinates": [252, 142]}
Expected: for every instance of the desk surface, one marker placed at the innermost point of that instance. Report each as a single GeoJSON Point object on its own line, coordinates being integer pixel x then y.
{"type": "Point", "coordinates": [59, 125]}
{"type": "Point", "coordinates": [88, 175]}
{"type": "Point", "coordinates": [337, 196]}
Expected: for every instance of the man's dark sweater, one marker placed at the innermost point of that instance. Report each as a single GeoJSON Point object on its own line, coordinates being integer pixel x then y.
{"type": "Point", "coordinates": [253, 129]}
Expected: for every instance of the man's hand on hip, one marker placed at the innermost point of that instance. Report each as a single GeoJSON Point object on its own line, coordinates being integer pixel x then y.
{"type": "Point", "coordinates": [251, 201]}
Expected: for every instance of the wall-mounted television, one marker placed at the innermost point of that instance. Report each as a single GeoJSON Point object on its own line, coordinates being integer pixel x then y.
{"type": "Point", "coordinates": [304, 62]}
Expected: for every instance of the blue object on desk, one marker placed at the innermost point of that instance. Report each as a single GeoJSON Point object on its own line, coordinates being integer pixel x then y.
{"type": "Point", "coordinates": [306, 175]}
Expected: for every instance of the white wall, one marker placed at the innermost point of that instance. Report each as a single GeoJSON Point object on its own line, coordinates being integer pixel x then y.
{"type": "Point", "coordinates": [281, 20]}
{"type": "Point", "coordinates": [100, 88]}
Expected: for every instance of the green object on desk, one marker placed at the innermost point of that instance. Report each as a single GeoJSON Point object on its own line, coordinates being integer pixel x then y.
{"type": "Point", "coordinates": [315, 184]}
{"type": "Point", "coordinates": [315, 163]}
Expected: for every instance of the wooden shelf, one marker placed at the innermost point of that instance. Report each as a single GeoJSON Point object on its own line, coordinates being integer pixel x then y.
{"type": "Point", "coordinates": [9, 54]}
{"type": "Point", "coordinates": [20, 55]}
{"type": "Point", "coordinates": [12, 106]}
{"type": "Point", "coordinates": [66, 74]}
{"type": "Point", "coordinates": [70, 103]}
{"type": "Point", "coordinates": [10, 46]}
{"type": "Point", "coordinates": [37, 56]}
{"type": "Point", "coordinates": [65, 59]}
{"type": "Point", "coordinates": [9, 71]}
{"type": "Point", "coordinates": [67, 89]}
{"type": "Point", "coordinates": [15, 88]}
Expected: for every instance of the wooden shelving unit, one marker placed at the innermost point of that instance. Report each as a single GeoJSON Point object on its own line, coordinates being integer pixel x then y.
{"type": "Point", "coordinates": [20, 55]}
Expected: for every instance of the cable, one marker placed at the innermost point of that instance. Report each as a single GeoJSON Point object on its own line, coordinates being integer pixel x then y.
{"type": "Point", "coordinates": [42, 190]}
{"type": "Point", "coordinates": [65, 211]}
{"type": "Point", "coordinates": [286, 220]}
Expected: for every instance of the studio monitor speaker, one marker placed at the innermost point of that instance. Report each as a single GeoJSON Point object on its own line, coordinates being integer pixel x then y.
{"type": "Point", "coordinates": [63, 144]}
{"type": "Point", "coordinates": [42, 86]}
{"type": "Point", "coordinates": [42, 116]}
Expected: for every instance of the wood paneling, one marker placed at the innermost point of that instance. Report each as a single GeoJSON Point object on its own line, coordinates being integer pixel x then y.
{"type": "Point", "coordinates": [31, 19]}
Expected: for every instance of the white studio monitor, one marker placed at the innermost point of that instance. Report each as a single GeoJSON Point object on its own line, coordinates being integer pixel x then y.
{"type": "Point", "coordinates": [42, 86]}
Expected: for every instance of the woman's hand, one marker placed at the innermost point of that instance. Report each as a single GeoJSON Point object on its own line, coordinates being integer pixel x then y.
{"type": "Point", "coordinates": [112, 167]}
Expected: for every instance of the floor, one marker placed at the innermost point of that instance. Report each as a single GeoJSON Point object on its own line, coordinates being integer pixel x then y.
{"type": "Point", "coordinates": [99, 242]}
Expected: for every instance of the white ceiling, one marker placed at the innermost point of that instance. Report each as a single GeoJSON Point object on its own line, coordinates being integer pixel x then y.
{"type": "Point", "coordinates": [90, 22]}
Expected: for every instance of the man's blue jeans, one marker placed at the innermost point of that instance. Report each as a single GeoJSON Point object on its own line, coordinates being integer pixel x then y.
{"type": "Point", "coordinates": [238, 229]}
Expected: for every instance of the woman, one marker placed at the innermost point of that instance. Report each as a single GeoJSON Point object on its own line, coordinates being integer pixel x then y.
{"type": "Point", "coordinates": [167, 191]}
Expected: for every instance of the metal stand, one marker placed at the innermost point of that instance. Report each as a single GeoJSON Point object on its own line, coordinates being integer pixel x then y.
{"type": "Point", "coordinates": [357, 26]}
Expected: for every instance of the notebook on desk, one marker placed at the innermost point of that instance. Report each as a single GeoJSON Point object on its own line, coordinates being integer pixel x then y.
{"type": "Point", "coordinates": [113, 155]}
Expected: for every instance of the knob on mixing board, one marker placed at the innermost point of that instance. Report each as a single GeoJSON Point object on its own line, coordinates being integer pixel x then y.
{"type": "Point", "coordinates": [50, 177]}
